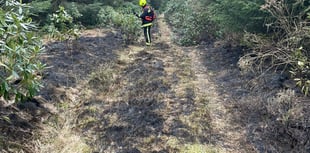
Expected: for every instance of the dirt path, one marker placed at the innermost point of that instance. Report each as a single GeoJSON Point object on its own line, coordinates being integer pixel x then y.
{"type": "Point", "coordinates": [162, 99]}
{"type": "Point", "coordinates": [226, 135]}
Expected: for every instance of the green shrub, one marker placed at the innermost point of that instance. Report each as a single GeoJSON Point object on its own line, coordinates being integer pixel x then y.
{"type": "Point", "coordinates": [287, 48]}
{"type": "Point", "coordinates": [20, 48]}
{"type": "Point", "coordinates": [61, 19]}
{"type": "Point", "coordinates": [114, 3]}
{"type": "Point", "coordinates": [72, 9]}
{"type": "Point", "coordinates": [105, 16]}
{"type": "Point", "coordinates": [122, 19]}
{"type": "Point", "coordinates": [238, 15]}
{"type": "Point", "coordinates": [39, 11]}
{"type": "Point", "coordinates": [202, 20]}
{"type": "Point", "coordinates": [61, 25]}
{"type": "Point", "coordinates": [89, 14]}
{"type": "Point", "coordinates": [300, 70]}
{"type": "Point", "coordinates": [158, 4]}
{"type": "Point", "coordinates": [191, 23]}
{"type": "Point", "coordinates": [128, 24]}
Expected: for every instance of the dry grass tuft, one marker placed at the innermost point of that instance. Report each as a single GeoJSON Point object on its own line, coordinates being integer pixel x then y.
{"type": "Point", "coordinates": [62, 140]}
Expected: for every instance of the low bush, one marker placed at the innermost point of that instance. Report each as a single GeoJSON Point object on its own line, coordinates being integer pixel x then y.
{"type": "Point", "coordinates": [105, 16]}
{"type": "Point", "coordinates": [40, 10]}
{"type": "Point", "coordinates": [158, 4]}
{"type": "Point", "coordinates": [89, 14]}
{"type": "Point", "coordinates": [128, 24]}
{"type": "Point", "coordinates": [20, 67]}
{"type": "Point", "coordinates": [198, 21]}
{"type": "Point", "coordinates": [61, 25]}
{"type": "Point", "coordinates": [190, 22]}
{"type": "Point", "coordinates": [123, 19]}
{"type": "Point", "coordinates": [288, 122]}
{"type": "Point", "coordinates": [287, 47]}
{"type": "Point", "coordinates": [238, 15]}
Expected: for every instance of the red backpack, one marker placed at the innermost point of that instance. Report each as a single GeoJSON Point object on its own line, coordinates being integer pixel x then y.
{"type": "Point", "coordinates": [151, 14]}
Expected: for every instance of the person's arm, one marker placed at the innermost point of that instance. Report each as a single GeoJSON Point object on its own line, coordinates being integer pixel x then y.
{"type": "Point", "coordinates": [135, 13]}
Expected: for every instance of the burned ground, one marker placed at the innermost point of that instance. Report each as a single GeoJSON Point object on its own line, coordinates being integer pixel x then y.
{"type": "Point", "coordinates": [108, 97]}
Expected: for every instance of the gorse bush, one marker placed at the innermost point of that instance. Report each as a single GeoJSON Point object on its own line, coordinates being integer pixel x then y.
{"type": "Point", "coordinates": [19, 53]}
{"type": "Point", "coordinates": [158, 4]}
{"type": "Point", "coordinates": [60, 24]}
{"type": "Point", "coordinates": [89, 13]}
{"type": "Point", "coordinates": [73, 10]}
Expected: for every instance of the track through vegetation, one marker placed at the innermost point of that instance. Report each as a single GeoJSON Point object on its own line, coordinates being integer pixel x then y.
{"type": "Point", "coordinates": [101, 96]}
{"type": "Point", "coordinates": [135, 99]}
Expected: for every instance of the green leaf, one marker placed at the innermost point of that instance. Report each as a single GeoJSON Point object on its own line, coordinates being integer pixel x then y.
{"type": "Point", "coordinates": [5, 86]}
{"type": "Point", "coordinates": [7, 119]}
{"type": "Point", "coordinates": [306, 91]}
{"type": "Point", "coordinates": [24, 26]}
{"type": "Point", "coordinates": [300, 63]}
{"type": "Point", "coordinates": [3, 22]}
{"type": "Point", "coordinates": [21, 52]}
{"type": "Point", "coordinates": [5, 66]}
{"type": "Point", "coordinates": [13, 76]}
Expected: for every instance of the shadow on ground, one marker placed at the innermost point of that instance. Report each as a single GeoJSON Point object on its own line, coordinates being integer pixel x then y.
{"type": "Point", "coordinates": [71, 62]}
{"type": "Point", "coordinates": [140, 118]}
{"type": "Point", "coordinates": [247, 99]}
{"type": "Point", "coordinates": [68, 63]}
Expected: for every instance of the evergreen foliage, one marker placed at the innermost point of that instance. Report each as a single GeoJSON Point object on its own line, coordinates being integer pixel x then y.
{"type": "Point", "coordinates": [238, 15]}
{"type": "Point", "coordinates": [61, 25]}
{"type": "Point", "coordinates": [198, 21]}
{"type": "Point", "coordinates": [20, 48]}
{"type": "Point", "coordinates": [190, 22]}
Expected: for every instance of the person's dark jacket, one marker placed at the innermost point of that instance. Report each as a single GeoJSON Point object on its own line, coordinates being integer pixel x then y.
{"type": "Point", "coordinates": [147, 16]}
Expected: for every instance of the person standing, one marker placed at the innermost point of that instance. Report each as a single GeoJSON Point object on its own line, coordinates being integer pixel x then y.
{"type": "Point", "coordinates": [147, 17]}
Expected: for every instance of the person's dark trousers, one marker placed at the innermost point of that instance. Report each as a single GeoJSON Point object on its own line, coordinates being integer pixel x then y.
{"type": "Point", "coordinates": [147, 35]}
